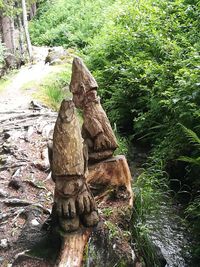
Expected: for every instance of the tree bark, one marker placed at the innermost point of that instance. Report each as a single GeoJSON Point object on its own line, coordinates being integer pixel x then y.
{"type": "Point", "coordinates": [21, 44]}
{"type": "Point", "coordinates": [25, 24]}
{"type": "Point", "coordinates": [7, 28]}
{"type": "Point", "coordinates": [33, 10]}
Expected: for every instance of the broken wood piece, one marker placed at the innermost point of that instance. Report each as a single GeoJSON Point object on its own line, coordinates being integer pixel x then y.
{"type": "Point", "coordinates": [72, 249]}
{"type": "Point", "coordinates": [112, 173]}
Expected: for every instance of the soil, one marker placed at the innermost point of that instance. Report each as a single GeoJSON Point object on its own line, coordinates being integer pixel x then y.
{"type": "Point", "coordinates": [26, 190]}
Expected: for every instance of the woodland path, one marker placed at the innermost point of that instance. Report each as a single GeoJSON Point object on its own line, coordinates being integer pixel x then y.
{"type": "Point", "coordinates": [13, 97]}
{"type": "Point", "coordinates": [26, 190]}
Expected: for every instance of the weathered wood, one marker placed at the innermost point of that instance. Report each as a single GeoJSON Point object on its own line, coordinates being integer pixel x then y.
{"type": "Point", "coordinates": [112, 173]}
{"type": "Point", "coordinates": [81, 78]}
{"type": "Point", "coordinates": [96, 130]}
{"type": "Point", "coordinates": [73, 201]}
{"type": "Point", "coordinates": [73, 244]}
{"type": "Point", "coordinates": [67, 143]}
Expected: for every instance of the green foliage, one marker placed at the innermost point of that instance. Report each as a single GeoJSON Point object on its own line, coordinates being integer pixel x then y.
{"type": "Point", "coordinates": [148, 190]}
{"type": "Point", "coordinates": [192, 137]}
{"type": "Point", "coordinates": [55, 88]}
{"type": "Point", "coordinates": [146, 61]}
{"type": "Point", "coordinates": [67, 22]}
{"type": "Point", "coordinates": [123, 144]}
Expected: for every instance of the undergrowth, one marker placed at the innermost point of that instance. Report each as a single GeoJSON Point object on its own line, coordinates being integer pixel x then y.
{"type": "Point", "coordinates": [71, 23]}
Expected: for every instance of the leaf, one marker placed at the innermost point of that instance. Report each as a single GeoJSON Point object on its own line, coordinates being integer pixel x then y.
{"type": "Point", "coordinates": [195, 161]}
{"type": "Point", "coordinates": [192, 136]}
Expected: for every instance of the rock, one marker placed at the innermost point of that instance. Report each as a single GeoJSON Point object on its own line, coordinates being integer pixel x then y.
{"type": "Point", "coordinates": [4, 243]}
{"type": "Point", "coordinates": [3, 193]}
{"type": "Point", "coordinates": [16, 173]}
{"type": "Point", "coordinates": [35, 105]}
{"type": "Point", "coordinates": [55, 62]}
{"type": "Point", "coordinates": [114, 173]}
{"type": "Point", "coordinates": [47, 131]}
{"type": "Point", "coordinates": [34, 222]}
{"type": "Point", "coordinates": [7, 135]}
{"type": "Point", "coordinates": [41, 165]}
{"type": "Point", "coordinates": [3, 159]}
{"type": "Point", "coordinates": [29, 133]}
{"type": "Point", "coordinates": [15, 184]}
{"type": "Point", "coordinates": [56, 55]}
{"type": "Point", "coordinates": [7, 147]}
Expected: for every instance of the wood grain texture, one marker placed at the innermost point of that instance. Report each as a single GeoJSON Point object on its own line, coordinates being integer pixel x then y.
{"type": "Point", "coordinates": [96, 130]}
{"type": "Point", "coordinates": [112, 173]}
{"type": "Point", "coordinates": [73, 244]}
{"type": "Point", "coordinates": [68, 158]}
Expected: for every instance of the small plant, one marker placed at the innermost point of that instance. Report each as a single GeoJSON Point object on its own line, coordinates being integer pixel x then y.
{"type": "Point", "coordinates": [113, 230]}
{"type": "Point", "coordinates": [107, 211]}
{"type": "Point", "coordinates": [195, 141]}
{"type": "Point", "coordinates": [54, 87]}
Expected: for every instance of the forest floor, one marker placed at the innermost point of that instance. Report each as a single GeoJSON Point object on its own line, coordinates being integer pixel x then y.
{"type": "Point", "coordinates": [26, 190]}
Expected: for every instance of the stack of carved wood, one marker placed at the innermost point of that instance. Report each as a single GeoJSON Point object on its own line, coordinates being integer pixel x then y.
{"type": "Point", "coordinates": [82, 160]}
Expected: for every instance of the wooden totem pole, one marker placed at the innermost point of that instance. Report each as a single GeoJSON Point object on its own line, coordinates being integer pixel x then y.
{"type": "Point", "coordinates": [78, 158]}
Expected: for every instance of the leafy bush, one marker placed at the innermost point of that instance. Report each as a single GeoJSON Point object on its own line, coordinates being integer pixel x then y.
{"type": "Point", "coordinates": [68, 22]}
{"type": "Point", "coordinates": [146, 61]}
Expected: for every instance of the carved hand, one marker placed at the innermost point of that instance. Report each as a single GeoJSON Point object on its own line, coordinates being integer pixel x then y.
{"type": "Point", "coordinates": [65, 196]}
{"type": "Point", "coordinates": [101, 142]}
{"type": "Point", "coordinates": [85, 201]}
{"type": "Point", "coordinates": [73, 199]}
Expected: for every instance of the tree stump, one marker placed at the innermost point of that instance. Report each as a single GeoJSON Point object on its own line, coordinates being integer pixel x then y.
{"type": "Point", "coordinates": [112, 173]}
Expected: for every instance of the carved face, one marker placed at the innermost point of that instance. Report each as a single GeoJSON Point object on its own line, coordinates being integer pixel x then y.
{"type": "Point", "coordinates": [69, 188]}
{"type": "Point", "coordinates": [79, 96]}
{"type": "Point", "coordinates": [67, 110]}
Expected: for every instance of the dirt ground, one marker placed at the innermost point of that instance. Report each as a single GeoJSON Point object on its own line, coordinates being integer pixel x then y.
{"type": "Point", "coordinates": [26, 189]}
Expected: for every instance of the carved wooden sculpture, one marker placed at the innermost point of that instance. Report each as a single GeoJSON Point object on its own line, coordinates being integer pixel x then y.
{"type": "Point", "coordinates": [74, 203]}
{"type": "Point", "coordinates": [96, 130]}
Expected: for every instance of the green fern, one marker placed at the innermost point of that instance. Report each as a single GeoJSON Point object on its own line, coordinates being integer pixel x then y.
{"type": "Point", "coordinates": [192, 136]}
{"type": "Point", "coordinates": [193, 139]}
{"type": "Point", "coordinates": [195, 161]}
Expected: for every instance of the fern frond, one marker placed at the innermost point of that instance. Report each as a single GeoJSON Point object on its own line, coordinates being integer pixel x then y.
{"type": "Point", "coordinates": [192, 136]}
{"type": "Point", "coordinates": [195, 161]}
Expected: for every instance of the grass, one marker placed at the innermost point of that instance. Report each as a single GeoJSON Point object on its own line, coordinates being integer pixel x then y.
{"type": "Point", "coordinates": [53, 87]}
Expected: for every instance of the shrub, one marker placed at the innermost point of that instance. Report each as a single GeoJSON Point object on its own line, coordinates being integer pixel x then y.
{"type": "Point", "coordinates": [68, 22]}
{"type": "Point", "coordinates": [146, 61]}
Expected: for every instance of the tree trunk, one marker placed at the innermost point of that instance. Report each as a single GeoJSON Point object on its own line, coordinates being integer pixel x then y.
{"type": "Point", "coordinates": [33, 10]}
{"type": "Point", "coordinates": [25, 24]}
{"type": "Point", "coordinates": [21, 44]}
{"type": "Point", "coordinates": [7, 29]}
